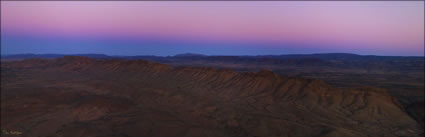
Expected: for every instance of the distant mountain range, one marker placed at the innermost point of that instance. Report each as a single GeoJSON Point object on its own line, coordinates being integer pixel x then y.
{"type": "Point", "coordinates": [324, 56]}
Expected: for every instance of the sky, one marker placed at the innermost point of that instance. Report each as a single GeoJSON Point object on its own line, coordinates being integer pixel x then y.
{"type": "Point", "coordinates": [163, 28]}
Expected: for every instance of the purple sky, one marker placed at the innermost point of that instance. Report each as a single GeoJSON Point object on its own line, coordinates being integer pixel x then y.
{"type": "Point", "coordinates": [213, 27]}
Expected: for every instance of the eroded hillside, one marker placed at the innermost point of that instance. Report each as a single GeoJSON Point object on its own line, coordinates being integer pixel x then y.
{"type": "Point", "coordinates": [79, 96]}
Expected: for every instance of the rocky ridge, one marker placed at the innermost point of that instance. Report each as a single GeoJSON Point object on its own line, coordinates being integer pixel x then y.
{"type": "Point", "coordinates": [206, 101]}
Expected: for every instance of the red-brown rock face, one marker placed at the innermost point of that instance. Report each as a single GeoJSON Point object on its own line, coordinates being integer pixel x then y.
{"type": "Point", "coordinates": [76, 96]}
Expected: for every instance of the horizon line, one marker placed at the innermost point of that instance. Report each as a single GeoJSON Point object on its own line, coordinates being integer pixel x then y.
{"type": "Point", "coordinates": [115, 55]}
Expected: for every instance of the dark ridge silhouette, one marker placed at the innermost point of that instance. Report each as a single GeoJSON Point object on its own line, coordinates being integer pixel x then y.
{"type": "Point", "coordinates": [189, 55]}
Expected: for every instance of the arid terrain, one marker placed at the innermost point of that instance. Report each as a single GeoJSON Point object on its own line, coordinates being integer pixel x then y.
{"type": "Point", "coordinates": [336, 95]}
